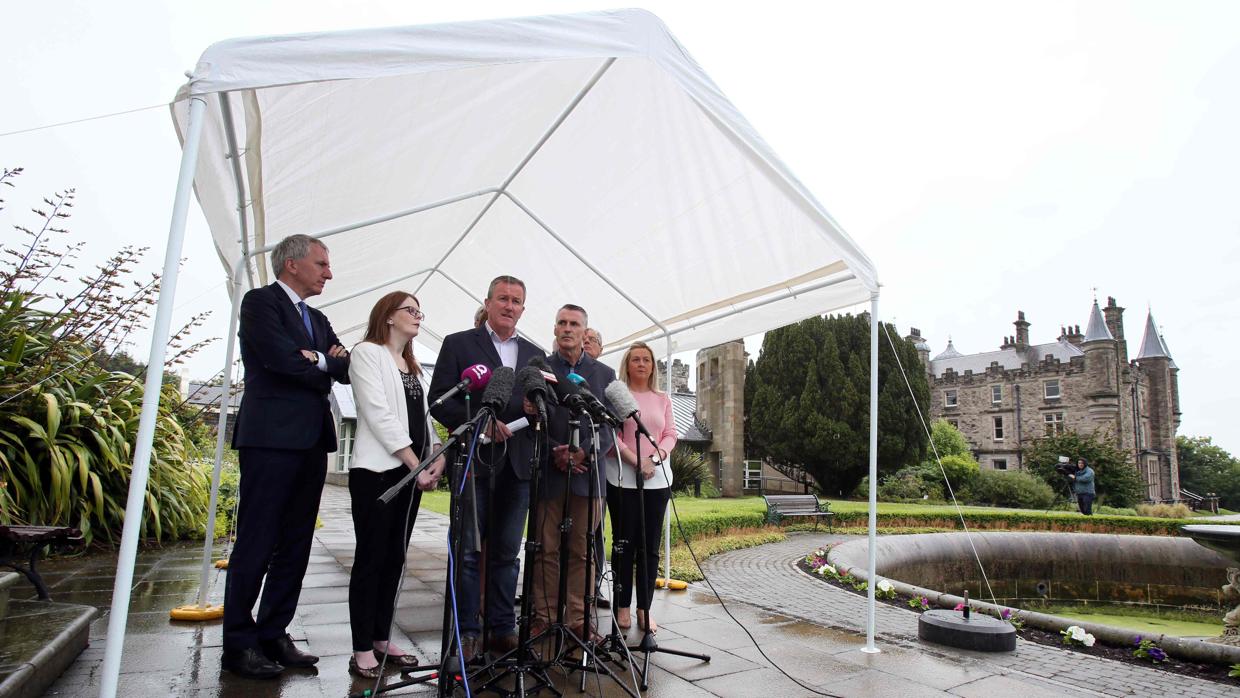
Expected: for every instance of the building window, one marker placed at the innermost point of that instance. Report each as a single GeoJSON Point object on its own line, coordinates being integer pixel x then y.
{"type": "Point", "coordinates": [1051, 389]}
{"type": "Point", "coordinates": [996, 394]}
{"type": "Point", "coordinates": [1053, 422]}
{"type": "Point", "coordinates": [949, 398]}
{"type": "Point", "coordinates": [344, 454]}
{"type": "Point", "coordinates": [999, 463]}
{"type": "Point", "coordinates": [998, 428]}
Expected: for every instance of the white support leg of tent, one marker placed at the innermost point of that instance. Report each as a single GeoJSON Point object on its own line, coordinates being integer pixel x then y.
{"type": "Point", "coordinates": [873, 524]}
{"type": "Point", "coordinates": [667, 520]}
{"type": "Point", "coordinates": [208, 542]}
{"type": "Point", "coordinates": [150, 405]}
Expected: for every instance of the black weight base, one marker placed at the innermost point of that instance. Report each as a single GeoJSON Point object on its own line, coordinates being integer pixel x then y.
{"type": "Point", "coordinates": [980, 633]}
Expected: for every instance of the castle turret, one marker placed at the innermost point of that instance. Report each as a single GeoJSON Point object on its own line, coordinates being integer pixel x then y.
{"type": "Point", "coordinates": [720, 406]}
{"type": "Point", "coordinates": [1100, 364]}
{"type": "Point", "coordinates": [1159, 409]}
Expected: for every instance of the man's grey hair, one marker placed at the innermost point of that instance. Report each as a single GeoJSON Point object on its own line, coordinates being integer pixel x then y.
{"type": "Point", "coordinates": [293, 247]}
{"type": "Point", "coordinates": [597, 334]}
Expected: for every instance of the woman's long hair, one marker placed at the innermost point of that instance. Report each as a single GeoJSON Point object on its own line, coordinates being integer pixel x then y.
{"type": "Point", "coordinates": [623, 373]}
{"type": "Point", "coordinates": [378, 330]}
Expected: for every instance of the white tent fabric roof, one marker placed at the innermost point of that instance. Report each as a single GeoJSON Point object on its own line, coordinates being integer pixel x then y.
{"type": "Point", "coordinates": [631, 186]}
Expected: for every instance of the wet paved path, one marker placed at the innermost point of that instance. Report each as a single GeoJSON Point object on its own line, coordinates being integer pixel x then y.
{"type": "Point", "coordinates": [813, 631]}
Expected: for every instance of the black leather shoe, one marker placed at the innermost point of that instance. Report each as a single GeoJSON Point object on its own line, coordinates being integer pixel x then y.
{"type": "Point", "coordinates": [283, 651]}
{"type": "Point", "coordinates": [251, 664]}
{"type": "Point", "coordinates": [602, 602]}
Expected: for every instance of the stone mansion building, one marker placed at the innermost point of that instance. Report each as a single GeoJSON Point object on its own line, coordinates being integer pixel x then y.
{"type": "Point", "coordinates": [1003, 399]}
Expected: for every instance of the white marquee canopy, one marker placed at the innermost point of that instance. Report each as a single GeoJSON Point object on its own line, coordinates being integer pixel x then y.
{"type": "Point", "coordinates": [586, 154]}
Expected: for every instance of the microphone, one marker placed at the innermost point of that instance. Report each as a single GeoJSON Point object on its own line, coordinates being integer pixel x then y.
{"type": "Point", "coordinates": [473, 378]}
{"type": "Point", "coordinates": [534, 388]}
{"type": "Point", "coordinates": [499, 390]}
{"type": "Point", "coordinates": [596, 407]}
{"type": "Point", "coordinates": [626, 405]}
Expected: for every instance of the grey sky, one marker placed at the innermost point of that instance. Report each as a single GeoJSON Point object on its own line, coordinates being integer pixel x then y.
{"type": "Point", "coordinates": [988, 156]}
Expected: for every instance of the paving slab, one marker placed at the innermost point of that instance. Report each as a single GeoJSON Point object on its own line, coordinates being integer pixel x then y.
{"type": "Point", "coordinates": [810, 630]}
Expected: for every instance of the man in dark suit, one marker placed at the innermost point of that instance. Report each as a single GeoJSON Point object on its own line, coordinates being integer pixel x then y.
{"type": "Point", "coordinates": [283, 434]}
{"type": "Point", "coordinates": [502, 471]}
{"type": "Point", "coordinates": [572, 470]}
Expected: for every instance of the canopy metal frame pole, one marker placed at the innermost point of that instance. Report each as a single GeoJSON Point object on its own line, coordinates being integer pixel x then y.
{"type": "Point", "coordinates": [870, 648]}
{"type": "Point", "coordinates": [221, 428]}
{"type": "Point", "coordinates": [667, 520]}
{"type": "Point", "coordinates": [141, 469]}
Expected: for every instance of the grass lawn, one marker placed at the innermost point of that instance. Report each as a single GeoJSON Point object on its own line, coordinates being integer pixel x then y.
{"type": "Point", "coordinates": [1147, 624]}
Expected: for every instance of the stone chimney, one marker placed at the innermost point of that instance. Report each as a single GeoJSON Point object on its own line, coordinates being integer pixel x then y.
{"type": "Point", "coordinates": [1115, 323]}
{"type": "Point", "coordinates": [1022, 331]}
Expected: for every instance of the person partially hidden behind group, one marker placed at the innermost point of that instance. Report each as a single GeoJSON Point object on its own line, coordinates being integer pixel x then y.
{"type": "Point", "coordinates": [393, 436]}
{"type": "Point", "coordinates": [283, 434]}
{"type": "Point", "coordinates": [637, 371]}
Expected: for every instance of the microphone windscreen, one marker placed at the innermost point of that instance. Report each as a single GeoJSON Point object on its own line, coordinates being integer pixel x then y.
{"type": "Point", "coordinates": [499, 390]}
{"type": "Point", "coordinates": [478, 376]}
{"type": "Point", "coordinates": [578, 379]}
{"type": "Point", "coordinates": [530, 380]}
{"type": "Point", "coordinates": [621, 398]}
{"type": "Point", "coordinates": [566, 391]}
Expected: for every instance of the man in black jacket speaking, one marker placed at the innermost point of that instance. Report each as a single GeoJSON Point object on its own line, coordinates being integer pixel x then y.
{"type": "Point", "coordinates": [283, 434]}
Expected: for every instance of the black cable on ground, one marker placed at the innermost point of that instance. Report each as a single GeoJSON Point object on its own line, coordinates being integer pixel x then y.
{"type": "Point", "coordinates": [724, 606]}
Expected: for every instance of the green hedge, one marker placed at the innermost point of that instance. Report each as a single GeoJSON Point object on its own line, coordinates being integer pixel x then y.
{"type": "Point", "coordinates": [1020, 521]}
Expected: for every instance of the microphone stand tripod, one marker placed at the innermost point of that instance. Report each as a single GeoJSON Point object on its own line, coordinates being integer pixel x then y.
{"type": "Point", "coordinates": [446, 666]}
{"type": "Point", "coordinates": [614, 641]}
{"type": "Point", "coordinates": [564, 634]}
{"type": "Point", "coordinates": [523, 661]}
{"type": "Point", "coordinates": [648, 644]}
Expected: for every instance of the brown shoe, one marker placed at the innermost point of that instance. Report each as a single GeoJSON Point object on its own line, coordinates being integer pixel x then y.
{"type": "Point", "coordinates": [502, 644]}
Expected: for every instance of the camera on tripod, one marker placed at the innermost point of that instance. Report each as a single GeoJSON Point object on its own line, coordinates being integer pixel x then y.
{"type": "Point", "coordinates": [1065, 467]}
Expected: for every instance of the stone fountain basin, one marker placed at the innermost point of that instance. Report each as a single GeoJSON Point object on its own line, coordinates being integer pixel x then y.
{"type": "Point", "coordinates": [1023, 566]}
{"type": "Point", "coordinates": [1224, 540]}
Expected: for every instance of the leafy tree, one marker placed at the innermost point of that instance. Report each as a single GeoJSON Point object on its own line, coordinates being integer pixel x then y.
{"type": "Point", "coordinates": [1115, 476]}
{"type": "Point", "coordinates": [947, 440]}
{"type": "Point", "coordinates": [807, 402]}
{"type": "Point", "coordinates": [1206, 468]}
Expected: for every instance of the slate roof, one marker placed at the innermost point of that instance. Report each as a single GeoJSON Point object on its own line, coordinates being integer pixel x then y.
{"type": "Point", "coordinates": [203, 395]}
{"type": "Point", "coordinates": [684, 406]}
{"type": "Point", "coordinates": [1007, 358]}
{"type": "Point", "coordinates": [1097, 329]}
{"type": "Point", "coordinates": [1152, 346]}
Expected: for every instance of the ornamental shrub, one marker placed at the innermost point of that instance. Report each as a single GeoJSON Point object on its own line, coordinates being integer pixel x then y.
{"type": "Point", "coordinates": [1011, 489]}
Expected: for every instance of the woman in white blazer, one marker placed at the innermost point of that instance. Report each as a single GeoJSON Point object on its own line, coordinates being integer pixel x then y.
{"type": "Point", "coordinates": [393, 434]}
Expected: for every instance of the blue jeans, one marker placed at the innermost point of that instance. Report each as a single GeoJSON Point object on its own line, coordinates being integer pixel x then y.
{"type": "Point", "coordinates": [501, 522]}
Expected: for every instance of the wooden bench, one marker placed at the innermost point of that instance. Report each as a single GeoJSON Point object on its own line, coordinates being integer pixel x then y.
{"type": "Point", "coordinates": [779, 506]}
{"type": "Point", "coordinates": [27, 542]}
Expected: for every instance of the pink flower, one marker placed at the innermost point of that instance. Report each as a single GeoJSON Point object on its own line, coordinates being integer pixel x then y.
{"type": "Point", "coordinates": [959, 606]}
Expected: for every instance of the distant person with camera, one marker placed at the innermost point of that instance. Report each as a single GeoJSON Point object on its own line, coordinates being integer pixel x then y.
{"type": "Point", "coordinates": [1083, 486]}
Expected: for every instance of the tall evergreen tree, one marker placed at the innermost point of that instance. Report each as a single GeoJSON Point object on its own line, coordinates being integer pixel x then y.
{"type": "Point", "coordinates": [807, 405]}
